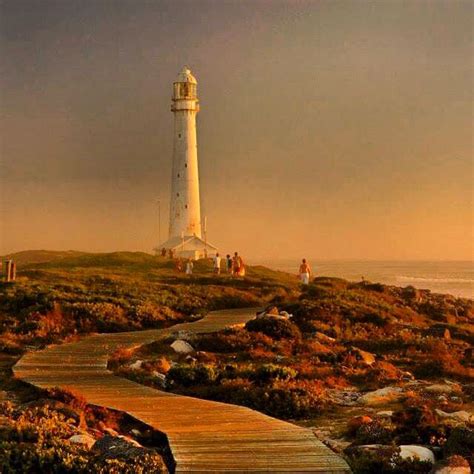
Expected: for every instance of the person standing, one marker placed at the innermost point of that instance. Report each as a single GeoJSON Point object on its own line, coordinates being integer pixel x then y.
{"type": "Point", "coordinates": [238, 267]}
{"type": "Point", "coordinates": [189, 267]}
{"type": "Point", "coordinates": [235, 264]}
{"type": "Point", "coordinates": [305, 272]}
{"type": "Point", "coordinates": [228, 263]}
{"type": "Point", "coordinates": [217, 264]}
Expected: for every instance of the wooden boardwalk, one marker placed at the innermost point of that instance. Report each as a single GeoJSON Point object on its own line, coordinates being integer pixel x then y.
{"type": "Point", "coordinates": [204, 436]}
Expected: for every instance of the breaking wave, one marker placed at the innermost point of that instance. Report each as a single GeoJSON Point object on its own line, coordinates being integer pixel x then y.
{"type": "Point", "coordinates": [435, 280]}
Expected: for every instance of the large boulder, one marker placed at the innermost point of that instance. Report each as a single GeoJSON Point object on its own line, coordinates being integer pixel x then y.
{"type": "Point", "coordinates": [129, 451]}
{"type": "Point", "coordinates": [182, 347]}
{"type": "Point", "coordinates": [381, 396]}
{"type": "Point", "coordinates": [411, 451]}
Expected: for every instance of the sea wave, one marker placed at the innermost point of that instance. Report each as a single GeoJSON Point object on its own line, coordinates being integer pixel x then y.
{"type": "Point", "coordinates": [435, 280]}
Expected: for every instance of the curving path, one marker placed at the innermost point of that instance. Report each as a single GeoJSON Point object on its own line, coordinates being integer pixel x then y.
{"type": "Point", "coordinates": [204, 436]}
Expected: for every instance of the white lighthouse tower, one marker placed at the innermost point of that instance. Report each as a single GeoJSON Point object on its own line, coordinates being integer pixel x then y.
{"type": "Point", "coordinates": [185, 229]}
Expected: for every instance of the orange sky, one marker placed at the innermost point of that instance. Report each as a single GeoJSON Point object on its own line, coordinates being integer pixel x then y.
{"type": "Point", "coordinates": [331, 129]}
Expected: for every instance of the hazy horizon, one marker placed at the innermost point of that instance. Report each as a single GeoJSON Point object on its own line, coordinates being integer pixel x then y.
{"type": "Point", "coordinates": [336, 130]}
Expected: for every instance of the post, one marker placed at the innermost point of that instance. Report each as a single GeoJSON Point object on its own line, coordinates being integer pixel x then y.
{"type": "Point", "coordinates": [159, 222]}
{"type": "Point", "coordinates": [205, 236]}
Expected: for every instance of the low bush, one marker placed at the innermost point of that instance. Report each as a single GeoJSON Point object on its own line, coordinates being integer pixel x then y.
{"type": "Point", "coordinates": [267, 373]}
{"type": "Point", "coordinates": [187, 376]}
{"type": "Point", "coordinates": [385, 460]}
{"type": "Point", "coordinates": [274, 327]}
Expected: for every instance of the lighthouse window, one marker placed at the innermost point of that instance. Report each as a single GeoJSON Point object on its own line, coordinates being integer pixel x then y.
{"type": "Point", "coordinates": [179, 135]}
{"type": "Point", "coordinates": [185, 165]}
{"type": "Point", "coordinates": [185, 206]}
{"type": "Point", "coordinates": [177, 194]}
{"type": "Point", "coordinates": [178, 175]}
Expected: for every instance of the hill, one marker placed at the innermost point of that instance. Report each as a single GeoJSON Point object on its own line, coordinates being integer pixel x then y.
{"type": "Point", "coordinates": [27, 257]}
{"type": "Point", "coordinates": [62, 293]}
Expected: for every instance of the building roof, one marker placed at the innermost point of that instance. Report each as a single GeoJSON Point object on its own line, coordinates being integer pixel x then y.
{"type": "Point", "coordinates": [186, 76]}
{"type": "Point", "coordinates": [188, 242]}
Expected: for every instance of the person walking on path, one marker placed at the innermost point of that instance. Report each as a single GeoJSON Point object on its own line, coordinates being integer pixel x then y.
{"type": "Point", "coordinates": [217, 264]}
{"type": "Point", "coordinates": [305, 272]}
{"type": "Point", "coordinates": [189, 267]}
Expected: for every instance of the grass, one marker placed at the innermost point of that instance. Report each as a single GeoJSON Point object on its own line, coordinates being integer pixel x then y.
{"type": "Point", "coordinates": [59, 294]}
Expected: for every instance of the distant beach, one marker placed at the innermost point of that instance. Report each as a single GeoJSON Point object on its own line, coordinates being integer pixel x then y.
{"type": "Point", "coordinates": [451, 277]}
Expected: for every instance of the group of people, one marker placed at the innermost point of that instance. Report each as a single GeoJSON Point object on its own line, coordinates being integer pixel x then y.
{"type": "Point", "coordinates": [233, 265]}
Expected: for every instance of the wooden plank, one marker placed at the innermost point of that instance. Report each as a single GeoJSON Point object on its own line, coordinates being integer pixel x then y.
{"type": "Point", "coordinates": [204, 436]}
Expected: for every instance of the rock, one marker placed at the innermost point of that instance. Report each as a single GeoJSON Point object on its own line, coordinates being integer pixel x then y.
{"type": "Point", "coordinates": [285, 315]}
{"type": "Point", "coordinates": [135, 432]}
{"type": "Point", "coordinates": [383, 395]}
{"type": "Point", "coordinates": [453, 465]}
{"type": "Point", "coordinates": [355, 423]}
{"type": "Point", "coordinates": [125, 449]}
{"type": "Point", "coordinates": [462, 416]}
{"type": "Point", "coordinates": [364, 356]}
{"type": "Point", "coordinates": [83, 439]}
{"type": "Point", "coordinates": [411, 451]}
{"type": "Point", "coordinates": [136, 365]}
{"type": "Point", "coordinates": [343, 397]}
{"type": "Point", "coordinates": [117, 446]}
{"type": "Point", "coordinates": [161, 378]}
{"type": "Point", "coordinates": [272, 311]}
{"type": "Point", "coordinates": [182, 347]}
{"type": "Point", "coordinates": [323, 338]}
{"type": "Point", "coordinates": [385, 414]}
{"type": "Point", "coordinates": [443, 388]}
{"type": "Point", "coordinates": [337, 445]}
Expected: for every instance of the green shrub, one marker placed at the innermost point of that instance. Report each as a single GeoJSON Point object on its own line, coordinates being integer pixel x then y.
{"type": "Point", "coordinates": [373, 433]}
{"type": "Point", "coordinates": [276, 328]}
{"type": "Point", "coordinates": [268, 372]}
{"type": "Point", "coordinates": [461, 442]}
{"type": "Point", "coordinates": [187, 375]}
{"type": "Point", "coordinates": [385, 460]}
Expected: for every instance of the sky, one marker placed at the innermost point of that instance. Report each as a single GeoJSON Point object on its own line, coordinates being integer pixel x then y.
{"type": "Point", "coordinates": [328, 129]}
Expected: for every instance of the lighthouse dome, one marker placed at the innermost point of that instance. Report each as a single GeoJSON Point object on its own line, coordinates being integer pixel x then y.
{"type": "Point", "coordinates": [186, 76]}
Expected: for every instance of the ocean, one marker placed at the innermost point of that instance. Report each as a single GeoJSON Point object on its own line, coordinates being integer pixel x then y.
{"type": "Point", "coordinates": [451, 277]}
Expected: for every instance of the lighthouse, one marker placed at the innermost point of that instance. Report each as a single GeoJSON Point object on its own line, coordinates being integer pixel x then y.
{"type": "Point", "coordinates": [185, 207]}
{"type": "Point", "coordinates": [185, 226]}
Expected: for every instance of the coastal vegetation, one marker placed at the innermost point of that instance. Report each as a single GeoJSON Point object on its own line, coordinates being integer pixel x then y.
{"type": "Point", "coordinates": [364, 364]}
